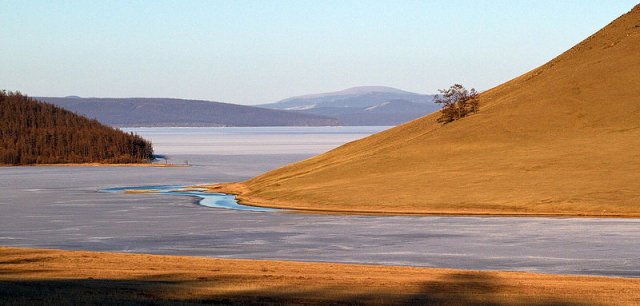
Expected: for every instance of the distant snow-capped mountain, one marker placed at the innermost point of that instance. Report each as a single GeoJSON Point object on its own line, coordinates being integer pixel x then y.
{"type": "Point", "coordinates": [366, 105]}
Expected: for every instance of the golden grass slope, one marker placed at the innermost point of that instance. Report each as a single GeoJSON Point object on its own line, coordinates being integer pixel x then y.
{"type": "Point", "coordinates": [563, 139]}
{"type": "Point", "coordinates": [50, 277]}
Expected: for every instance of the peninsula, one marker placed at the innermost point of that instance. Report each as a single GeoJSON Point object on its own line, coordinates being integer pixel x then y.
{"type": "Point", "coordinates": [561, 139]}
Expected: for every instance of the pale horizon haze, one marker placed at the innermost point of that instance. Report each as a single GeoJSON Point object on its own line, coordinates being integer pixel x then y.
{"type": "Point", "coordinates": [253, 52]}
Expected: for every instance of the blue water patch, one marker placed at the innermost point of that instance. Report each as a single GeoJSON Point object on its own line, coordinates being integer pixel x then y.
{"type": "Point", "coordinates": [214, 200]}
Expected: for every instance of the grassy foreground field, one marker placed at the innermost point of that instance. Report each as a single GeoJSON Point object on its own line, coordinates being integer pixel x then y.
{"type": "Point", "coordinates": [53, 277]}
{"type": "Point", "coordinates": [562, 139]}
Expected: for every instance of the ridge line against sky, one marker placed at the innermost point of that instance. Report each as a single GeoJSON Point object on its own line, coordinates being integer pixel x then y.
{"type": "Point", "coordinates": [253, 52]}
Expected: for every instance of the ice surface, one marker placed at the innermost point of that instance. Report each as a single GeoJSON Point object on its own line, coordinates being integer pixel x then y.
{"type": "Point", "coordinates": [61, 207]}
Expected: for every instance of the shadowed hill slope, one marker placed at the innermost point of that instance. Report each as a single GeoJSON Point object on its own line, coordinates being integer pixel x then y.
{"type": "Point", "coordinates": [561, 139]}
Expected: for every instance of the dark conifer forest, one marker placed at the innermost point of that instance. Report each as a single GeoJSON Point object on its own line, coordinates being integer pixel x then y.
{"type": "Point", "coordinates": [34, 132]}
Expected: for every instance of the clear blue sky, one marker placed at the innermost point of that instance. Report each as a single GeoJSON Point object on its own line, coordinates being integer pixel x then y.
{"type": "Point", "coordinates": [252, 52]}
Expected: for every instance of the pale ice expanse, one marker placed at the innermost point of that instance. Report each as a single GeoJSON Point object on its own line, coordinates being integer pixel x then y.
{"type": "Point", "coordinates": [247, 140]}
{"type": "Point", "coordinates": [61, 207]}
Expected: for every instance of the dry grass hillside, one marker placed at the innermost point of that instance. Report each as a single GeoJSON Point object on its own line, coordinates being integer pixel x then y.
{"type": "Point", "coordinates": [50, 277]}
{"type": "Point", "coordinates": [562, 139]}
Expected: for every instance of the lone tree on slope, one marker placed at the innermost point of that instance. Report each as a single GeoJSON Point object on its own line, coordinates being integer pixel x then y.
{"type": "Point", "coordinates": [457, 102]}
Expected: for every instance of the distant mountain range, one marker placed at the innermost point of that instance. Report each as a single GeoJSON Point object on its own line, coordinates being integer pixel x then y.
{"type": "Point", "coordinates": [367, 105]}
{"type": "Point", "coordinates": [129, 112]}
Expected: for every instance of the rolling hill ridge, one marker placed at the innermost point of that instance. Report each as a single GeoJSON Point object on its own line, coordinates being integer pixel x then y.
{"type": "Point", "coordinates": [179, 112]}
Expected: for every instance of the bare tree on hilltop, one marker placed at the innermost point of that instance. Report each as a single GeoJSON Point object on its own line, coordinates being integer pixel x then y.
{"type": "Point", "coordinates": [457, 102]}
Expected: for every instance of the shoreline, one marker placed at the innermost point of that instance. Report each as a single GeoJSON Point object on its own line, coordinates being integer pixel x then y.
{"type": "Point", "coordinates": [32, 274]}
{"type": "Point", "coordinates": [390, 214]}
{"type": "Point", "coordinates": [239, 189]}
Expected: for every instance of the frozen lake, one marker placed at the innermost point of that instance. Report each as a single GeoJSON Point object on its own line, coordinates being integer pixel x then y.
{"type": "Point", "coordinates": [251, 141]}
{"type": "Point", "coordinates": [61, 207]}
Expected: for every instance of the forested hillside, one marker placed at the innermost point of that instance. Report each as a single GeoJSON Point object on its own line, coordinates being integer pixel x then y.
{"type": "Point", "coordinates": [34, 132]}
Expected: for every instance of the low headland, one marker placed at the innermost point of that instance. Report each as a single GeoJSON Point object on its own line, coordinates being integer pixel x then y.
{"type": "Point", "coordinates": [244, 197]}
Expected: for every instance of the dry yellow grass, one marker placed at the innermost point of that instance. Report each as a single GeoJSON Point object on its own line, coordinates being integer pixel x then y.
{"type": "Point", "coordinates": [563, 139]}
{"type": "Point", "coordinates": [36, 276]}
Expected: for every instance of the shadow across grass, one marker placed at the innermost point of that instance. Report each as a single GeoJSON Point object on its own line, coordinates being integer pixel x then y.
{"type": "Point", "coordinates": [456, 289]}
{"type": "Point", "coordinates": [56, 277]}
